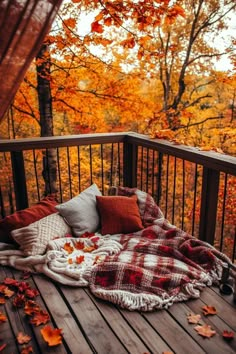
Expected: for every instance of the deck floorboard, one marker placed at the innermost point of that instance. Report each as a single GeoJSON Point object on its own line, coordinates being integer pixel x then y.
{"type": "Point", "coordinates": [91, 325]}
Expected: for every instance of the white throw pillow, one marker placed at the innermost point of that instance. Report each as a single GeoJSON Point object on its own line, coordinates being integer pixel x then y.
{"type": "Point", "coordinates": [81, 212]}
{"type": "Point", "coordinates": [34, 238]}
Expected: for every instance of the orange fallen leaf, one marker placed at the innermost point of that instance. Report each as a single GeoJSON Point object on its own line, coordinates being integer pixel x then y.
{"type": "Point", "coordinates": [8, 292]}
{"type": "Point", "coordinates": [3, 318]}
{"type": "Point", "coordinates": [79, 245]}
{"type": "Point", "coordinates": [209, 310]}
{"type": "Point", "coordinates": [167, 353]}
{"type": "Point", "coordinates": [90, 248]}
{"type": "Point", "coordinates": [27, 350]}
{"type": "Point", "coordinates": [79, 259]}
{"type": "Point", "coordinates": [31, 307]}
{"type": "Point", "coordinates": [205, 331]}
{"type": "Point", "coordinates": [228, 335]}
{"type": "Point", "coordinates": [23, 338]}
{"type": "Point", "coordinates": [68, 248]}
{"type": "Point", "coordinates": [193, 318]}
{"type": "Point", "coordinates": [70, 261]}
{"type": "Point", "coordinates": [51, 335]}
{"type": "Point", "coordinates": [2, 288]}
{"type": "Point", "coordinates": [40, 317]}
{"type": "Point", "coordinates": [2, 301]}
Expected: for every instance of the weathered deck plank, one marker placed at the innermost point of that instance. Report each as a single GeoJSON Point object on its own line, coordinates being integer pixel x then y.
{"type": "Point", "coordinates": [91, 325]}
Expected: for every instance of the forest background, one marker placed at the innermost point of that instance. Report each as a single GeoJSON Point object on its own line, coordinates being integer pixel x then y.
{"type": "Point", "coordinates": [145, 66]}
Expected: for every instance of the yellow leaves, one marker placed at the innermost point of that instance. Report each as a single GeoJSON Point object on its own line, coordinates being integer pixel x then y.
{"type": "Point", "coordinates": [167, 134]}
{"type": "Point", "coordinates": [51, 335]}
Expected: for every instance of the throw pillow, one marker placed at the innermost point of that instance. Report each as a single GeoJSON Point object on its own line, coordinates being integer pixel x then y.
{"type": "Point", "coordinates": [80, 212]}
{"type": "Point", "coordinates": [22, 218]}
{"type": "Point", "coordinates": [33, 239]}
{"type": "Point", "coordinates": [149, 210]}
{"type": "Point", "coordinates": [119, 214]}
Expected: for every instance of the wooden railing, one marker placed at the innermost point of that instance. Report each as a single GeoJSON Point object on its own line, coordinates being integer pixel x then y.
{"type": "Point", "coordinates": [194, 188]}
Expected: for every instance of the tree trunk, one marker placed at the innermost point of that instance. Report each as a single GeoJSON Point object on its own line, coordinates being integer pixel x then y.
{"type": "Point", "coordinates": [46, 118]}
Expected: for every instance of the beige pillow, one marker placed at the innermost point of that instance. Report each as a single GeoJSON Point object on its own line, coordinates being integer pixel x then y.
{"type": "Point", "coordinates": [33, 239]}
{"type": "Point", "coordinates": [81, 212]}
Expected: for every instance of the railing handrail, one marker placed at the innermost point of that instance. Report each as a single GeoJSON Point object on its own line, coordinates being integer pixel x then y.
{"type": "Point", "coordinates": [209, 159]}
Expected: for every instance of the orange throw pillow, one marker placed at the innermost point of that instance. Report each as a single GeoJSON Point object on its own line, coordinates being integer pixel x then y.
{"type": "Point", "coordinates": [119, 214]}
{"type": "Point", "coordinates": [25, 217]}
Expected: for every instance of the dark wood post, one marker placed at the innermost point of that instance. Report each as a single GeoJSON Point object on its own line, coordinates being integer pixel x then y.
{"type": "Point", "coordinates": [130, 164]}
{"type": "Point", "coordinates": [209, 200]}
{"type": "Point", "coordinates": [19, 180]}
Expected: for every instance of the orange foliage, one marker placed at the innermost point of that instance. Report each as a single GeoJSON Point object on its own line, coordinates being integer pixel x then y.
{"type": "Point", "coordinates": [51, 336]}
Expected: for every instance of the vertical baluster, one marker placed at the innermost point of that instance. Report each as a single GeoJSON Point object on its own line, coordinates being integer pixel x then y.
{"type": "Point", "coordinates": [159, 177]}
{"type": "Point", "coordinates": [36, 174]}
{"type": "Point", "coordinates": [174, 190]}
{"type": "Point", "coordinates": [79, 168]}
{"type": "Point", "coordinates": [91, 163]}
{"type": "Point", "coordinates": [111, 167]}
{"type": "Point", "coordinates": [59, 175]}
{"type": "Point", "coordinates": [147, 169]}
{"type": "Point", "coordinates": [19, 179]}
{"type": "Point", "coordinates": [69, 169]}
{"type": "Point", "coordinates": [102, 172]}
{"type": "Point", "coordinates": [167, 184]}
{"type": "Point", "coordinates": [223, 213]}
{"type": "Point", "coordinates": [183, 194]}
{"type": "Point", "coordinates": [194, 198]}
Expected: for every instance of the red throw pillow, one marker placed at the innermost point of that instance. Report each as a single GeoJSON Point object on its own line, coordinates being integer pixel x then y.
{"type": "Point", "coordinates": [22, 218]}
{"type": "Point", "coordinates": [119, 214]}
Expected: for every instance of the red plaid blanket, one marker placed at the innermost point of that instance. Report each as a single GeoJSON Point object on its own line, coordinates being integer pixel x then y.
{"type": "Point", "coordinates": [157, 266]}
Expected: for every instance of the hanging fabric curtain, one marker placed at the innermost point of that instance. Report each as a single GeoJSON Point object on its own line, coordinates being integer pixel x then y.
{"type": "Point", "coordinates": [23, 26]}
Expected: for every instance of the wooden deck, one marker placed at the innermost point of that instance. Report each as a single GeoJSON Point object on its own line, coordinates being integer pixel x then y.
{"type": "Point", "coordinates": [93, 326]}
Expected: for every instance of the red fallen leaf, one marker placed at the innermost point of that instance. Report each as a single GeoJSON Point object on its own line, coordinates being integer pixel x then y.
{"type": "Point", "coordinates": [27, 350]}
{"type": "Point", "coordinates": [68, 248]}
{"type": "Point", "coordinates": [79, 245]}
{"type": "Point", "coordinates": [31, 293]}
{"type": "Point", "coordinates": [96, 27]}
{"type": "Point", "coordinates": [31, 307]}
{"type": "Point", "coordinates": [51, 335]}
{"type": "Point", "coordinates": [19, 300]}
{"type": "Point", "coordinates": [2, 317]}
{"type": "Point", "coordinates": [209, 310]}
{"type": "Point", "coordinates": [10, 281]}
{"type": "Point", "coordinates": [87, 235]}
{"type": "Point", "coordinates": [90, 248]}
{"type": "Point", "coordinates": [40, 317]}
{"type": "Point", "coordinates": [79, 259]}
{"type": "Point", "coordinates": [3, 346]}
{"type": "Point", "coordinates": [26, 274]}
{"type": "Point", "coordinates": [193, 318]}
{"type": "Point", "coordinates": [95, 239]}
{"type": "Point", "coordinates": [2, 301]}
{"type": "Point", "coordinates": [228, 335]}
{"type": "Point", "coordinates": [205, 331]}
{"type": "Point", "coordinates": [23, 286]}
{"type": "Point", "coordinates": [23, 338]}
